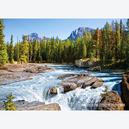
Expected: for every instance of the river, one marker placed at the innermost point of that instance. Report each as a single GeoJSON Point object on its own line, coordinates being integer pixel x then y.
{"type": "Point", "coordinates": [36, 89]}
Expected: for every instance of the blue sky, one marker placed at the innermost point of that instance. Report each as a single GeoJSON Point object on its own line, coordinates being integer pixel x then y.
{"type": "Point", "coordinates": [48, 27]}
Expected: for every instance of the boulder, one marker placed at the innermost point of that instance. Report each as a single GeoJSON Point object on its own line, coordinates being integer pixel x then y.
{"type": "Point", "coordinates": [77, 78]}
{"type": "Point", "coordinates": [68, 86]}
{"type": "Point", "coordinates": [96, 68]}
{"type": "Point", "coordinates": [90, 82]}
{"type": "Point", "coordinates": [86, 63]}
{"type": "Point", "coordinates": [24, 105]}
{"type": "Point", "coordinates": [37, 69]}
{"type": "Point", "coordinates": [65, 76]}
{"type": "Point", "coordinates": [53, 91]}
{"type": "Point", "coordinates": [125, 90]}
{"type": "Point", "coordinates": [83, 81]}
{"type": "Point", "coordinates": [83, 63]}
{"type": "Point", "coordinates": [97, 84]}
{"type": "Point", "coordinates": [111, 101]}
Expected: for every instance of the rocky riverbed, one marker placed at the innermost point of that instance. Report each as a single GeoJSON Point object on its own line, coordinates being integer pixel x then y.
{"type": "Point", "coordinates": [110, 100]}
{"type": "Point", "coordinates": [11, 73]}
{"type": "Point", "coordinates": [64, 88]}
{"type": "Point", "coordinates": [72, 81]}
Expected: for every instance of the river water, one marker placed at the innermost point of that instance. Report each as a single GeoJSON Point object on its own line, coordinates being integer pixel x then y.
{"type": "Point", "coordinates": [36, 89]}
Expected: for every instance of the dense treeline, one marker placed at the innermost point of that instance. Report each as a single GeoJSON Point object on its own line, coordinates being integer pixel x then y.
{"type": "Point", "coordinates": [108, 45]}
{"type": "Point", "coordinates": [3, 50]}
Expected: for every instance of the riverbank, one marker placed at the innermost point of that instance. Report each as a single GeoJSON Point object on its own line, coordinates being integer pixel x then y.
{"type": "Point", "coordinates": [22, 105]}
{"type": "Point", "coordinates": [11, 73]}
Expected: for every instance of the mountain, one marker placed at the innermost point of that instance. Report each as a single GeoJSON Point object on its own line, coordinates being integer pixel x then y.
{"type": "Point", "coordinates": [79, 32]}
{"type": "Point", "coordinates": [73, 36]}
{"type": "Point", "coordinates": [34, 36]}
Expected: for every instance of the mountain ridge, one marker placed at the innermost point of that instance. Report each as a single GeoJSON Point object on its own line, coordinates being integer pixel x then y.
{"type": "Point", "coordinates": [79, 32]}
{"type": "Point", "coordinates": [73, 35]}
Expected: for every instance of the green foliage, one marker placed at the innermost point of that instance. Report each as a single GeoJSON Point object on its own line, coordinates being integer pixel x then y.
{"type": "Point", "coordinates": [17, 52]}
{"type": "Point", "coordinates": [24, 50]}
{"type": "Point", "coordinates": [9, 105]}
{"type": "Point", "coordinates": [3, 49]}
{"type": "Point", "coordinates": [10, 49]}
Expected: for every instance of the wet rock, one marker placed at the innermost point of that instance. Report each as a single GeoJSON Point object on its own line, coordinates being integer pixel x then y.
{"type": "Point", "coordinates": [84, 74]}
{"type": "Point", "coordinates": [111, 101]}
{"type": "Point", "coordinates": [53, 90]}
{"type": "Point", "coordinates": [83, 81]}
{"type": "Point", "coordinates": [97, 84]}
{"type": "Point", "coordinates": [37, 69]}
{"type": "Point", "coordinates": [96, 68]}
{"type": "Point", "coordinates": [63, 88]}
{"type": "Point", "coordinates": [65, 76]}
{"type": "Point", "coordinates": [68, 86]}
{"type": "Point", "coordinates": [77, 79]}
{"type": "Point", "coordinates": [73, 77]}
{"type": "Point", "coordinates": [125, 90]}
{"type": "Point", "coordinates": [90, 82]}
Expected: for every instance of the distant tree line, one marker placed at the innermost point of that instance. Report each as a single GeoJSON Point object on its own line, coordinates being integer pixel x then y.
{"type": "Point", "coordinates": [108, 45]}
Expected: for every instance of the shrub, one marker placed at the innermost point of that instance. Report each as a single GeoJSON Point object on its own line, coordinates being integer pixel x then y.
{"type": "Point", "coordinates": [10, 105]}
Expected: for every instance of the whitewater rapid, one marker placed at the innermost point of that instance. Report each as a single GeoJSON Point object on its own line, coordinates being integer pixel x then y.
{"type": "Point", "coordinates": [36, 89]}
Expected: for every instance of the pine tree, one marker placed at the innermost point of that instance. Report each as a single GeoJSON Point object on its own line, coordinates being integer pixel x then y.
{"type": "Point", "coordinates": [83, 50]}
{"type": "Point", "coordinates": [17, 52]}
{"type": "Point", "coordinates": [127, 45]}
{"type": "Point", "coordinates": [97, 40]}
{"type": "Point", "coordinates": [121, 39]}
{"type": "Point", "coordinates": [11, 51]}
{"type": "Point", "coordinates": [118, 41]}
{"type": "Point", "coordinates": [30, 51]}
{"type": "Point", "coordinates": [106, 40]}
{"type": "Point", "coordinates": [43, 50]}
{"type": "Point", "coordinates": [24, 50]}
{"type": "Point", "coordinates": [3, 49]}
{"type": "Point", "coordinates": [35, 50]}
